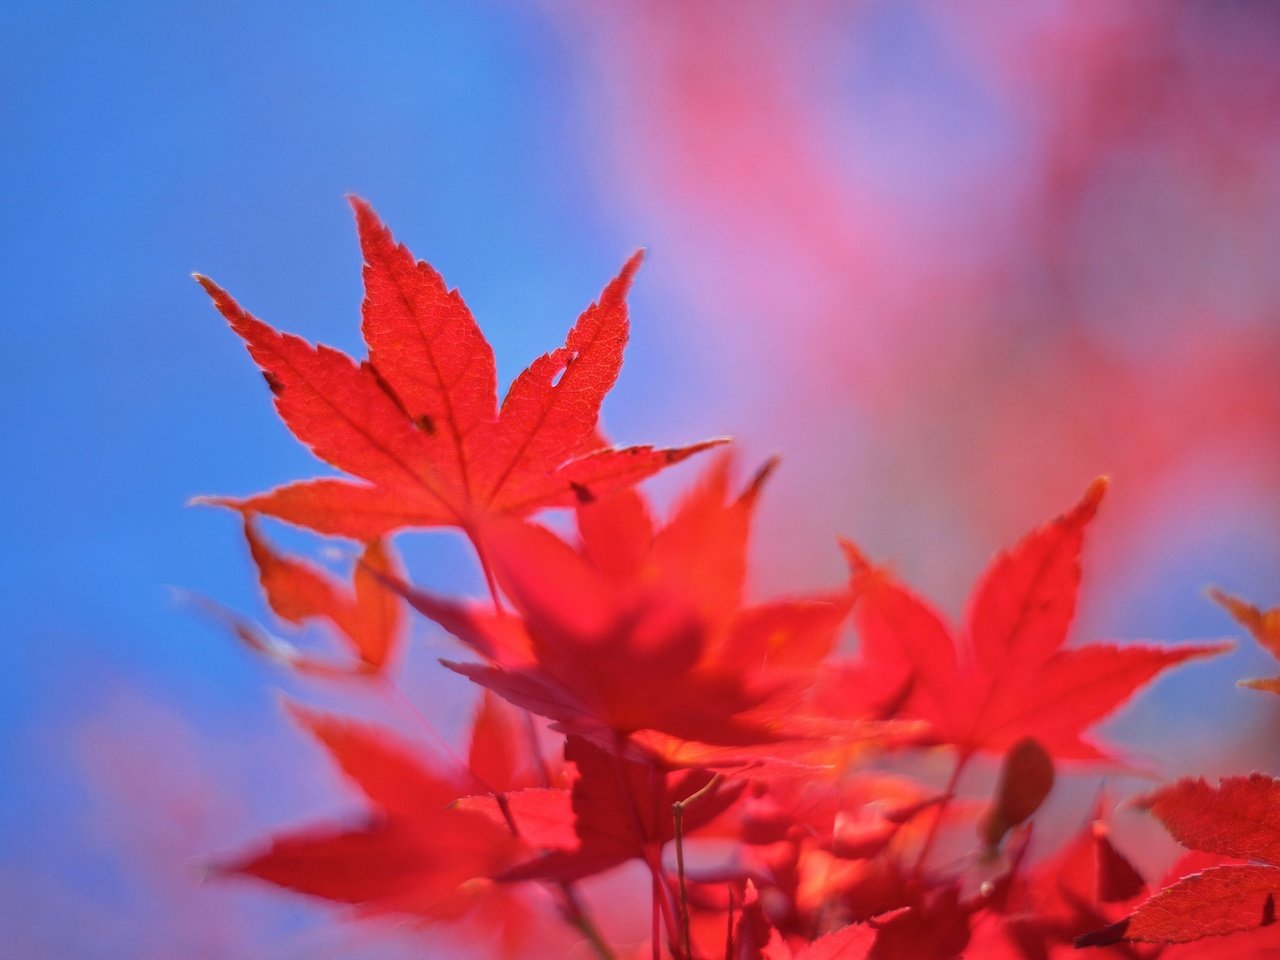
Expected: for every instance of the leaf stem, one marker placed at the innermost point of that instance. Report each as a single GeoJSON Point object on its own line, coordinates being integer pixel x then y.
{"type": "Point", "coordinates": [575, 913]}
{"type": "Point", "coordinates": [490, 579]}
{"type": "Point", "coordinates": [397, 696]}
{"type": "Point", "coordinates": [677, 815]}
{"type": "Point", "coordinates": [655, 924]}
{"type": "Point", "coordinates": [948, 794]}
{"type": "Point", "coordinates": [662, 894]}
{"type": "Point", "coordinates": [581, 921]}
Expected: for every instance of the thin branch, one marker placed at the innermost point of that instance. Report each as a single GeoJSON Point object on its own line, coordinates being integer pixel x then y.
{"type": "Point", "coordinates": [948, 794]}
{"type": "Point", "coordinates": [677, 814]}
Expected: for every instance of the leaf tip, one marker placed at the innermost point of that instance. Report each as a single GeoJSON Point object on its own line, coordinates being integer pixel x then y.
{"type": "Point", "coordinates": [212, 500]}
{"type": "Point", "coordinates": [629, 270]}
{"type": "Point", "coordinates": [1094, 493]}
{"type": "Point", "coordinates": [367, 220]}
{"type": "Point", "coordinates": [211, 288]}
{"type": "Point", "coordinates": [857, 560]}
{"type": "Point", "coordinates": [752, 491]}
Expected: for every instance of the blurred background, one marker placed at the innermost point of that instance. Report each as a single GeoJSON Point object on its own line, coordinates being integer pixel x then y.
{"type": "Point", "coordinates": [950, 260]}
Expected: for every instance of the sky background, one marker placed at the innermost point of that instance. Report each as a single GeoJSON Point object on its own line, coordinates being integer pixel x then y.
{"type": "Point", "coordinates": [951, 261]}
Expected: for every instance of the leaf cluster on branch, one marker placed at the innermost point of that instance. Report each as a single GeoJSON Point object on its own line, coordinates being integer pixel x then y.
{"type": "Point", "coordinates": [689, 716]}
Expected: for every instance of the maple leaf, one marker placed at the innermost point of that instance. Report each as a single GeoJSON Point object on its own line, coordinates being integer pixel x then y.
{"type": "Point", "coordinates": [367, 617]}
{"type": "Point", "coordinates": [1088, 882]}
{"type": "Point", "coordinates": [853, 942]}
{"type": "Point", "coordinates": [1239, 818]}
{"type": "Point", "coordinates": [415, 853]}
{"type": "Point", "coordinates": [936, 928]}
{"type": "Point", "coordinates": [1265, 627]}
{"type": "Point", "coordinates": [418, 423]}
{"type": "Point", "coordinates": [643, 628]}
{"type": "Point", "coordinates": [621, 811]}
{"type": "Point", "coordinates": [1006, 675]}
{"type": "Point", "coordinates": [755, 938]}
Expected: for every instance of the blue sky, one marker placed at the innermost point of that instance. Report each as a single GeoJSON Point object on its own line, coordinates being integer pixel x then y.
{"type": "Point", "coordinates": [147, 140]}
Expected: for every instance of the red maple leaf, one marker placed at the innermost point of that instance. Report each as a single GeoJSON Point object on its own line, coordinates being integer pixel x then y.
{"type": "Point", "coordinates": [643, 628]}
{"type": "Point", "coordinates": [1088, 882]}
{"type": "Point", "coordinates": [1240, 818]}
{"type": "Point", "coordinates": [754, 937]}
{"type": "Point", "coordinates": [848, 943]}
{"type": "Point", "coordinates": [618, 810]}
{"type": "Point", "coordinates": [1006, 676]}
{"type": "Point", "coordinates": [418, 422]}
{"type": "Point", "coordinates": [364, 615]}
{"type": "Point", "coordinates": [414, 852]}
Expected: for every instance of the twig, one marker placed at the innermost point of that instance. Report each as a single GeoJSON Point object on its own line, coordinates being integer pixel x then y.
{"type": "Point", "coordinates": [948, 794]}
{"type": "Point", "coordinates": [677, 813]}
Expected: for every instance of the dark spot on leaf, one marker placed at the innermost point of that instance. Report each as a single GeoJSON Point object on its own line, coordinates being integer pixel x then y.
{"type": "Point", "coordinates": [1269, 910]}
{"type": "Point", "coordinates": [425, 424]}
{"type": "Point", "coordinates": [385, 387]}
{"type": "Point", "coordinates": [273, 382]}
{"type": "Point", "coordinates": [582, 493]}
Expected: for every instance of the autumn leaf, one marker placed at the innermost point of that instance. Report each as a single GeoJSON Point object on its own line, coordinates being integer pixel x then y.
{"type": "Point", "coordinates": [494, 755]}
{"type": "Point", "coordinates": [417, 423]}
{"type": "Point", "coordinates": [1264, 625]}
{"type": "Point", "coordinates": [1239, 818]}
{"type": "Point", "coordinates": [754, 937]}
{"type": "Point", "coordinates": [937, 928]}
{"type": "Point", "coordinates": [621, 811]}
{"type": "Point", "coordinates": [365, 615]}
{"type": "Point", "coordinates": [1086, 883]}
{"type": "Point", "coordinates": [368, 617]}
{"type": "Point", "coordinates": [1006, 675]}
{"type": "Point", "coordinates": [853, 942]}
{"type": "Point", "coordinates": [413, 853]}
{"type": "Point", "coordinates": [643, 627]}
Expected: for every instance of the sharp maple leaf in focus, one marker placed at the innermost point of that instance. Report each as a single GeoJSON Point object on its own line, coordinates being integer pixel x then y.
{"type": "Point", "coordinates": [417, 422]}
{"type": "Point", "coordinates": [1239, 818]}
{"type": "Point", "coordinates": [1007, 675]}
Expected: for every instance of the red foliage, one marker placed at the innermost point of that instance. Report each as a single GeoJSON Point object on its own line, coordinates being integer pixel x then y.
{"type": "Point", "coordinates": [708, 737]}
{"type": "Point", "coordinates": [1006, 676]}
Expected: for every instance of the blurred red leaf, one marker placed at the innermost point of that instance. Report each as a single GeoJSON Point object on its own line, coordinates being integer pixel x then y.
{"type": "Point", "coordinates": [415, 852]}
{"type": "Point", "coordinates": [1007, 675]}
{"type": "Point", "coordinates": [622, 811]}
{"type": "Point", "coordinates": [644, 627]}
{"type": "Point", "coordinates": [367, 616]}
